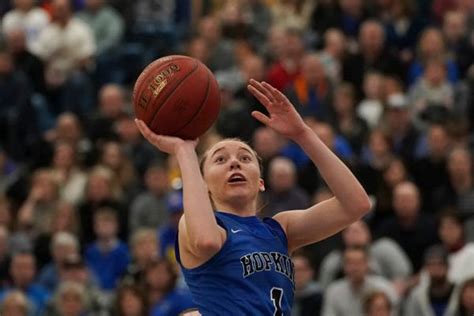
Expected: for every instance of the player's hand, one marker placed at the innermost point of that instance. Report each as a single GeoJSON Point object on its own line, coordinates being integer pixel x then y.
{"type": "Point", "coordinates": [167, 144]}
{"type": "Point", "coordinates": [283, 117]}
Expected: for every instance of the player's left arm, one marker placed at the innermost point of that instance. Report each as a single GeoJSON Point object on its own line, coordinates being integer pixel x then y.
{"type": "Point", "coordinates": [350, 201]}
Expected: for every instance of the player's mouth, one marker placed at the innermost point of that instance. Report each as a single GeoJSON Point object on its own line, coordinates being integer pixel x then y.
{"type": "Point", "coordinates": [236, 178]}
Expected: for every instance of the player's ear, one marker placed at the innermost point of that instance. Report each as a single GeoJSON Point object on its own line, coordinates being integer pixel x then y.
{"type": "Point", "coordinates": [261, 185]}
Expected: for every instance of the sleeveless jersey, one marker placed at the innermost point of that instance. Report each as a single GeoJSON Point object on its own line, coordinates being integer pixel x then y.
{"type": "Point", "coordinates": [252, 274]}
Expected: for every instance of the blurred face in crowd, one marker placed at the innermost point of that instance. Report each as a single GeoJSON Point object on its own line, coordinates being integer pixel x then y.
{"type": "Point", "coordinates": [276, 41]}
{"type": "Point", "coordinates": [325, 133]}
{"type": "Point", "coordinates": [23, 5]}
{"type": "Point", "coordinates": [435, 73]}
{"type": "Point", "coordinates": [145, 249]}
{"type": "Point", "coordinates": [127, 130]}
{"type": "Point", "coordinates": [454, 25]}
{"type": "Point", "coordinates": [467, 297]}
{"type": "Point", "coordinates": [379, 305]}
{"type": "Point", "coordinates": [45, 186]}
{"type": "Point", "coordinates": [406, 200]}
{"type": "Point", "coordinates": [459, 163]}
{"type": "Point", "coordinates": [355, 265]}
{"type": "Point", "coordinates": [371, 37]}
{"type": "Point", "coordinates": [94, 5]}
{"type": "Point", "coordinates": [312, 70]}
{"type": "Point", "coordinates": [378, 143]}
{"type": "Point", "coordinates": [282, 174]}
{"type": "Point", "coordinates": [112, 155]}
{"type": "Point", "coordinates": [344, 100]}
{"type": "Point", "coordinates": [61, 10]}
{"type": "Point", "coordinates": [431, 43]}
{"type": "Point", "coordinates": [335, 42]}
{"type": "Point", "coordinates": [373, 86]}
{"type": "Point", "coordinates": [99, 187]}
{"type": "Point", "coordinates": [210, 30]}
{"type": "Point", "coordinates": [68, 128]}
{"type": "Point", "coordinates": [198, 48]}
{"type": "Point", "coordinates": [64, 156]}
{"type": "Point", "coordinates": [395, 173]}
{"type": "Point", "coordinates": [62, 251]}
{"type": "Point", "coordinates": [70, 303]}
{"type": "Point", "coordinates": [105, 226]}
{"type": "Point", "coordinates": [23, 270]}
{"type": "Point", "coordinates": [131, 304]}
{"type": "Point", "coordinates": [267, 142]}
{"type": "Point", "coordinates": [6, 63]}
{"type": "Point", "coordinates": [156, 179]}
{"type": "Point", "coordinates": [64, 218]}
{"type": "Point", "coordinates": [111, 100]}
{"type": "Point", "coordinates": [352, 7]}
{"type": "Point", "coordinates": [438, 141]}
{"type": "Point", "coordinates": [437, 269]}
{"type": "Point", "coordinates": [160, 276]}
{"type": "Point", "coordinates": [15, 304]}
{"type": "Point", "coordinates": [356, 235]}
{"type": "Point", "coordinates": [16, 40]}
{"type": "Point", "coordinates": [450, 231]}
{"type": "Point", "coordinates": [303, 272]}
{"type": "Point", "coordinates": [294, 44]}
{"type": "Point", "coordinates": [253, 67]}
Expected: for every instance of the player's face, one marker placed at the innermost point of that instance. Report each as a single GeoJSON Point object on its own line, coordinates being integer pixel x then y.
{"type": "Point", "coordinates": [231, 171]}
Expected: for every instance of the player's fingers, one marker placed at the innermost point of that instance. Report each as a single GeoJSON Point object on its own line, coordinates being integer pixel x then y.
{"type": "Point", "coordinates": [261, 117]}
{"type": "Point", "coordinates": [260, 96]}
{"type": "Point", "coordinates": [262, 89]}
{"type": "Point", "coordinates": [276, 94]}
{"type": "Point", "coordinates": [146, 132]}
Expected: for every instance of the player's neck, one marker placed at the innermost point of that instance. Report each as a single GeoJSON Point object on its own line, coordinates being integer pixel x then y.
{"type": "Point", "coordinates": [239, 209]}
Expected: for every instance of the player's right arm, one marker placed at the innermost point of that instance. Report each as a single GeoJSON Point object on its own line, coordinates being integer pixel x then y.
{"type": "Point", "coordinates": [200, 237]}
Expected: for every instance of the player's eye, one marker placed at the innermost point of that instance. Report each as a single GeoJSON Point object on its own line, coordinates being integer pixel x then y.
{"type": "Point", "coordinates": [246, 158]}
{"type": "Point", "coordinates": [219, 159]}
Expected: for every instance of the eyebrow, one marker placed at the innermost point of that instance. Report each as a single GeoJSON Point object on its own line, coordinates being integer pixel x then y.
{"type": "Point", "coordinates": [240, 148]}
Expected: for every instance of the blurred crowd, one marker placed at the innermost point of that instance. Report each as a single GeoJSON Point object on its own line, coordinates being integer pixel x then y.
{"type": "Point", "coordinates": [89, 210]}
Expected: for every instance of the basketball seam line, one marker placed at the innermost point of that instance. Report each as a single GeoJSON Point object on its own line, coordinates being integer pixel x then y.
{"type": "Point", "coordinates": [172, 92]}
{"type": "Point", "coordinates": [201, 108]}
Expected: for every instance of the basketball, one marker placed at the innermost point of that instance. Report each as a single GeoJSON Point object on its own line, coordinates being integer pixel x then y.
{"type": "Point", "coordinates": [177, 96]}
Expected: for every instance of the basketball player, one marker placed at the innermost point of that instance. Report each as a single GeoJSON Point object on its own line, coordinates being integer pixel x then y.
{"type": "Point", "coordinates": [233, 262]}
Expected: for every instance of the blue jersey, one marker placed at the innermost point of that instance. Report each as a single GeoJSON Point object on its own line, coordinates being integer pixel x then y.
{"type": "Point", "coordinates": [252, 274]}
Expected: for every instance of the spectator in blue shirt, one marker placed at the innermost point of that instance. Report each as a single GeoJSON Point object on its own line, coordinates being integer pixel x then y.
{"type": "Point", "coordinates": [107, 257]}
{"type": "Point", "coordinates": [22, 273]}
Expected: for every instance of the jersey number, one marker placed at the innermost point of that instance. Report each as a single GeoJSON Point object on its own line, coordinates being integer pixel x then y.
{"type": "Point", "coordinates": [276, 294]}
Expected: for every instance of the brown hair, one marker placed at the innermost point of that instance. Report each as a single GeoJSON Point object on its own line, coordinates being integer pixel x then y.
{"type": "Point", "coordinates": [137, 291]}
{"type": "Point", "coordinates": [370, 298]}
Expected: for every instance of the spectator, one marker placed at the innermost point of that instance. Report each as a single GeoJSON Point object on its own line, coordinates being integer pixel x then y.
{"type": "Point", "coordinates": [112, 105]}
{"type": "Point", "coordinates": [347, 123]}
{"type": "Point", "coordinates": [167, 232]}
{"type": "Point", "coordinates": [404, 136]}
{"type": "Point", "coordinates": [106, 24]}
{"type": "Point", "coordinates": [292, 14]}
{"type": "Point", "coordinates": [107, 257]}
{"type": "Point", "coordinates": [15, 303]}
{"type": "Point", "coordinates": [436, 296]}
{"type": "Point", "coordinates": [9, 171]}
{"type": "Point", "coordinates": [22, 273]}
{"type": "Point", "coordinates": [71, 179]}
{"type": "Point", "coordinates": [371, 108]}
{"type": "Point", "coordinates": [311, 91]}
{"type": "Point", "coordinates": [372, 55]}
{"type": "Point", "coordinates": [431, 45]}
{"type": "Point", "coordinates": [387, 259]}
{"type": "Point", "coordinates": [66, 60]}
{"type": "Point", "coordinates": [27, 16]}
{"type": "Point", "coordinates": [432, 95]}
{"type": "Point", "coordinates": [101, 190]}
{"type": "Point", "coordinates": [344, 297]}
{"type": "Point", "coordinates": [333, 53]}
{"type": "Point", "coordinates": [308, 293]}
{"type": "Point", "coordinates": [148, 209]}
{"type": "Point", "coordinates": [286, 66]}
{"type": "Point", "coordinates": [458, 191]}
{"type": "Point", "coordinates": [411, 228]}
{"type": "Point", "coordinates": [163, 296]}
{"type": "Point", "coordinates": [466, 298]}
{"type": "Point", "coordinates": [63, 245]}
{"type": "Point", "coordinates": [131, 301]}
{"type": "Point", "coordinates": [145, 248]}
{"type": "Point", "coordinates": [460, 251]}
{"type": "Point", "coordinates": [71, 299]}
{"type": "Point", "coordinates": [378, 304]}
{"type": "Point", "coordinates": [282, 192]}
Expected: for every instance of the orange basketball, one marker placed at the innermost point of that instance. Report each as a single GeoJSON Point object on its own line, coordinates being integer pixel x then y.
{"type": "Point", "coordinates": [177, 96]}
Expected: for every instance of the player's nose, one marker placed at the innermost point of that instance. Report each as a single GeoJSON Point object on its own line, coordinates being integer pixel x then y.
{"type": "Point", "coordinates": [234, 163]}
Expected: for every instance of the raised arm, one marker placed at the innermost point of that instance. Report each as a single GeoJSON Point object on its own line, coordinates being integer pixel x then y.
{"type": "Point", "coordinates": [350, 201]}
{"type": "Point", "coordinates": [199, 234]}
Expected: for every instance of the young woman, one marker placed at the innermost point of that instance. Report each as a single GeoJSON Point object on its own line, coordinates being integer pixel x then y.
{"type": "Point", "coordinates": [234, 263]}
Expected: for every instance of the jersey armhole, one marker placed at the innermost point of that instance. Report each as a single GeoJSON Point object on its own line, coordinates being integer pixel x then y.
{"type": "Point", "coordinates": [276, 227]}
{"type": "Point", "coordinates": [176, 245]}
